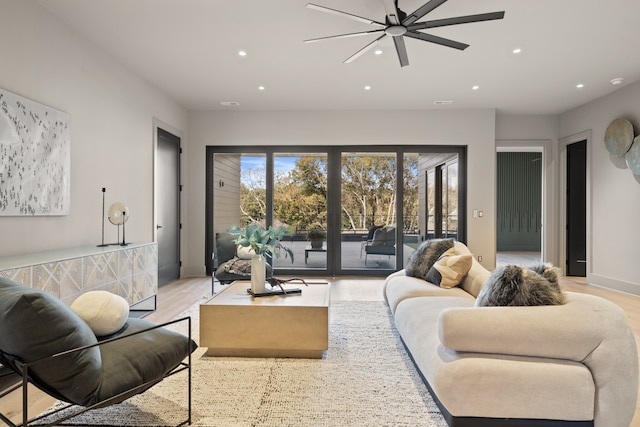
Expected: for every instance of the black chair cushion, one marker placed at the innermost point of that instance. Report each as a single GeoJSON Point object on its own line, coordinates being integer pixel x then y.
{"type": "Point", "coordinates": [35, 325]}
{"type": "Point", "coordinates": [132, 361]}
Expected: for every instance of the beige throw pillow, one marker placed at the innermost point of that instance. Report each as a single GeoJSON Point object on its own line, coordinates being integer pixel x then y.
{"type": "Point", "coordinates": [449, 270]}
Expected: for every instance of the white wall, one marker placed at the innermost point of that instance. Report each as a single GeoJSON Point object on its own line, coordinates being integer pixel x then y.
{"type": "Point", "coordinates": [474, 128]}
{"type": "Point", "coordinates": [112, 112]}
{"type": "Point", "coordinates": [615, 191]}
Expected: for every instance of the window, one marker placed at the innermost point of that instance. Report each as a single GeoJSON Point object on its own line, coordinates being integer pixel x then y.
{"type": "Point", "coordinates": [411, 193]}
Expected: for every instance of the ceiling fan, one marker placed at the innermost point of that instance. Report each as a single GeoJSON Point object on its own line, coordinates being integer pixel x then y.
{"type": "Point", "coordinates": [398, 25]}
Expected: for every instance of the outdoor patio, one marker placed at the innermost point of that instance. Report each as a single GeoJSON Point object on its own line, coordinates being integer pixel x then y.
{"type": "Point", "coordinates": [352, 255]}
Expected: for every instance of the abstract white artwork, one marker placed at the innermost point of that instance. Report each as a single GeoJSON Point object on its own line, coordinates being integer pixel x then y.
{"type": "Point", "coordinates": [35, 149]}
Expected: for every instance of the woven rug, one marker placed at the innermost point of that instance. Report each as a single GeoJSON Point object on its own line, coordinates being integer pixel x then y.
{"type": "Point", "coordinates": [365, 378]}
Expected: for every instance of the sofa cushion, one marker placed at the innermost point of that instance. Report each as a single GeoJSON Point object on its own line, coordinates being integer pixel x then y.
{"type": "Point", "coordinates": [492, 385]}
{"type": "Point", "coordinates": [513, 285]}
{"type": "Point", "coordinates": [36, 325]}
{"type": "Point", "coordinates": [423, 258]}
{"type": "Point", "coordinates": [450, 269]}
{"type": "Point", "coordinates": [400, 287]}
{"type": "Point", "coordinates": [104, 312]}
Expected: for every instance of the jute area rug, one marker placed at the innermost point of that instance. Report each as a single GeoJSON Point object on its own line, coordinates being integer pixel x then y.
{"type": "Point", "coordinates": [365, 378]}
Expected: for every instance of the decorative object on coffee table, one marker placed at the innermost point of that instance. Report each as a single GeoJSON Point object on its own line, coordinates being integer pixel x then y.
{"type": "Point", "coordinates": [274, 281]}
{"type": "Point", "coordinates": [262, 242]}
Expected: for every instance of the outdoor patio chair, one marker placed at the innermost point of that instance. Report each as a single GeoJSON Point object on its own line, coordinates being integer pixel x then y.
{"type": "Point", "coordinates": [383, 243]}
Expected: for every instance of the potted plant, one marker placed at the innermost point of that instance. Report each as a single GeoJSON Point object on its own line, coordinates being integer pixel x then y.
{"type": "Point", "coordinates": [261, 242]}
{"type": "Point", "coordinates": [316, 235]}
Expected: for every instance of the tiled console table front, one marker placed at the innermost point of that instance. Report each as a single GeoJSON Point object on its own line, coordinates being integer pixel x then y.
{"type": "Point", "coordinates": [129, 271]}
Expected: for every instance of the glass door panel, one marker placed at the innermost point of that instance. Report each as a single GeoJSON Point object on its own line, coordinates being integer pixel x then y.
{"type": "Point", "coordinates": [431, 204]}
{"type": "Point", "coordinates": [368, 201]}
{"type": "Point", "coordinates": [413, 207]}
{"type": "Point", "coordinates": [300, 204]}
{"type": "Point", "coordinates": [450, 200]}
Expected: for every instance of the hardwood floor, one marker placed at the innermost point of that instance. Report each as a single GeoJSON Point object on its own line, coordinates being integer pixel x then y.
{"type": "Point", "coordinates": [177, 296]}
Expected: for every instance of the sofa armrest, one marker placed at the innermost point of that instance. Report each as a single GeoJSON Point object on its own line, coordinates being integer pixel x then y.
{"type": "Point", "coordinates": [571, 331]}
{"type": "Point", "coordinates": [587, 329]}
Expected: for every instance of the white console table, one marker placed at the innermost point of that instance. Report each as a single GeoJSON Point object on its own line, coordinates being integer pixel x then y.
{"type": "Point", "coordinates": [129, 271]}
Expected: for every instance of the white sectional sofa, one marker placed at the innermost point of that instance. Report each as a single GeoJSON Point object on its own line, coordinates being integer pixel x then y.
{"type": "Point", "coordinates": [563, 365]}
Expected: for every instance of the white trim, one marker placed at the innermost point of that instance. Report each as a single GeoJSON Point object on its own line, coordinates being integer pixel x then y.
{"type": "Point", "coordinates": [562, 198]}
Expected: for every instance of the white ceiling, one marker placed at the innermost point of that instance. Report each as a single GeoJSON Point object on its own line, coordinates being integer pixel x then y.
{"type": "Point", "coordinates": [189, 49]}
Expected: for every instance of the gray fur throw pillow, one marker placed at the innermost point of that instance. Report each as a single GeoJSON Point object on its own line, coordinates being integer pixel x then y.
{"type": "Point", "coordinates": [513, 285]}
{"type": "Point", "coordinates": [421, 261]}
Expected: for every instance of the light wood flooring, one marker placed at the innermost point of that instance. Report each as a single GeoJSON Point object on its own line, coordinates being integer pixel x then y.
{"type": "Point", "coordinates": [177, 296]}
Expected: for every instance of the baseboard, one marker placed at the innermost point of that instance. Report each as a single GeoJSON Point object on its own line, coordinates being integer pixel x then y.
{"type": "Point", "coordinates": [194, 271]}
{"type": "Point", "coordinates": [614, 284]}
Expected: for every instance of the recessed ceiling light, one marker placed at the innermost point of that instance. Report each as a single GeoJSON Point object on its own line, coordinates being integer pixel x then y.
{"type": "Point", "coordinates": [242, 53]}
{"type": "Point", "coordinates": [378, 52]}
{"type": "Point", "coordinates": [517, 51]}
{"type": "Point", "coordinates": [442, 102]}
{"type": "Point", "coordinates": [580, 85]}
{"type": "Point", "coordinates": [616, 81]}
{"type": "Point", "coordinates": [476, 87]}
{"type": "Point", "coordinates": [260, 87]}
{"type": "Point", "coordinates": [367, 88]}
{"type": "Point", "coordinates": [229, 103]}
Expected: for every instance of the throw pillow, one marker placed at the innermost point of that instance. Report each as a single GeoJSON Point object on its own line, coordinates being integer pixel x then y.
{"type": "Point", "coordinates": [513, 285]}
{"type": "Point", "coordinates": [450, 269]}
{"type": "Point", "coordinates": [245, 252]}
{"type": "Point", "coordinates": [421, 261]}
{"type": "Point", "coordinates": [104, 312]}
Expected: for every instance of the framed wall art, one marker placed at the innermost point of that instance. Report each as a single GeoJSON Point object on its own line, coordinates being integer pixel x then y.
{"type": "Point", "coordinates": [35, 149]}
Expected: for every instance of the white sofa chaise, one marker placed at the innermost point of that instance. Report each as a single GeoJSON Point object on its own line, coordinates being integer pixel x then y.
{"type": "Point", "coordinates": [574, 364]}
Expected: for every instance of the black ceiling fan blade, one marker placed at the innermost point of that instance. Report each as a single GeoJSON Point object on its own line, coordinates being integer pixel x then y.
{"type": "Point", "coordinates": [401, 49]}
{"type": "Point", "coordinates": [391, 8]}
{"type": "Point", "coordinates": [363, 50]}
{"type": "Point", "coordinates": [457, 20]}
{"type": "Point", "coordinates": [437, 40]}
{"type": "Point", "coordinates": [344, 14]}
{"type": "Point", "coordinates": [343, 36]}
{"type": "Point", "coordinates": [421, 11]}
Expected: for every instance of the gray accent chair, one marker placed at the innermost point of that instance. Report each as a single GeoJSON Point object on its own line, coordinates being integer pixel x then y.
{"type": "Point", "coordinates": [227, 267]}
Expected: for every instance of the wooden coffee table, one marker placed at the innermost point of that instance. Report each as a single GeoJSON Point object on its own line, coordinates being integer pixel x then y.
{"type": "Point", "coordinates": [234, 323]}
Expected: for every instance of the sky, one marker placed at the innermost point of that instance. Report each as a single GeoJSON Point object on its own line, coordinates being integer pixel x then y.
{"type": "Point", "coordinates": [281, 163]}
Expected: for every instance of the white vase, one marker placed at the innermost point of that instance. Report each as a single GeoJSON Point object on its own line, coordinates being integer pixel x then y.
{"type": "Point", "coordinates": [258, 274]}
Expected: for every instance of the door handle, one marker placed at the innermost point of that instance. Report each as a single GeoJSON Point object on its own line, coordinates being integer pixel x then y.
{"type": "Point", "coordinates": [158, 227]}
{"type": "Point", "coordinates": [581, 260]}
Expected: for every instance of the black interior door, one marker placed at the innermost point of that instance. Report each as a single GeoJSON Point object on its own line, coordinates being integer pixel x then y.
{"type": "Point", "coordinates": [168, 203]}
{"type": "Point", "coordinates": [577, 209]}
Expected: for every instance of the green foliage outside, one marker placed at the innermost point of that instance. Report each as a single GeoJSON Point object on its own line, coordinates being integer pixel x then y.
{"type": "Point", "coordinates": [300, 196]}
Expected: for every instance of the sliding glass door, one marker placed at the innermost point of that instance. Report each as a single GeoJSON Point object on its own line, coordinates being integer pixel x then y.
{"type": "Point", "coordinates": [368, 223]}
{"type": "Point", "coordinates": [300, 203]}
{"type": "Point", "coordinates": [347, 210]}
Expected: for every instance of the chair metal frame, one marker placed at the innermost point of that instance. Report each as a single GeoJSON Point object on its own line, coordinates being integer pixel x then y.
{"type": "Point", "coordinates": [25, 366]}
